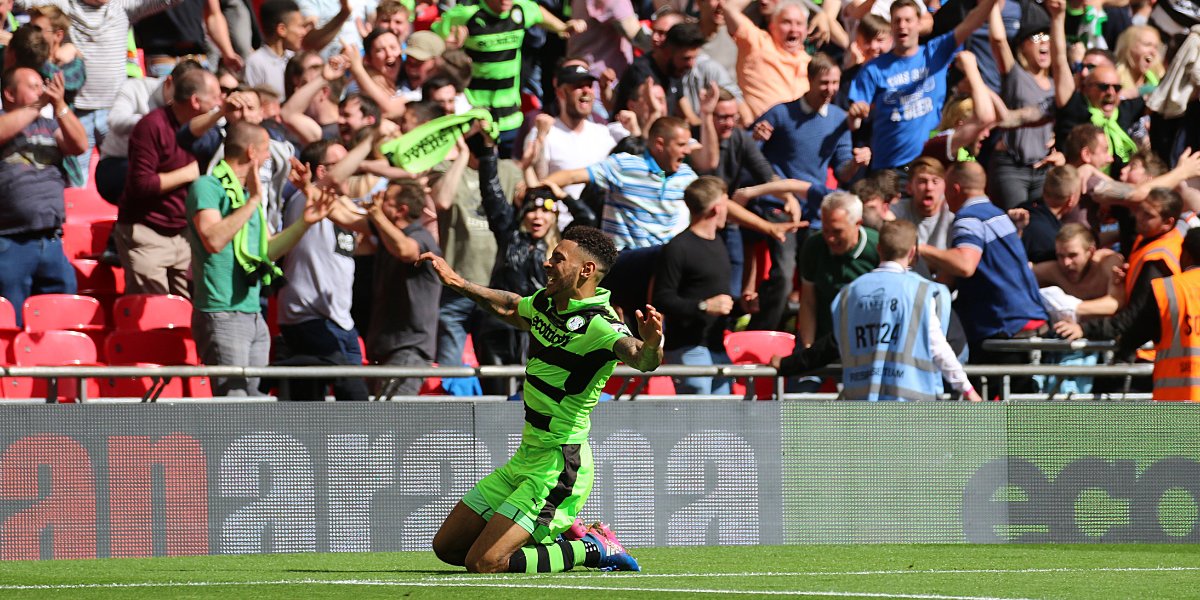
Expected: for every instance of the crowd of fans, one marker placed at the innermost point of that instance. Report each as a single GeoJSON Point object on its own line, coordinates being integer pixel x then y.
{"type": "Point", "coordinates": [742, 156]}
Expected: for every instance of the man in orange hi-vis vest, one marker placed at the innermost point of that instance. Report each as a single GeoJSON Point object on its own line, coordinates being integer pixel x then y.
{"type": "Point", "coordinates": [1155, 255]}
{"type": "Point", "coordinates": [1172, 322]}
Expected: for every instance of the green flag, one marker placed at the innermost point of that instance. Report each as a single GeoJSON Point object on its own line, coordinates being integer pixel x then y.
{"type": "Point", "coordinates": [427, 145]}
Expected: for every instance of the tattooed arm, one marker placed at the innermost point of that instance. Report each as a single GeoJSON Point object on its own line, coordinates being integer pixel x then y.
{"type": "Point", "coordinates": [498, 302]}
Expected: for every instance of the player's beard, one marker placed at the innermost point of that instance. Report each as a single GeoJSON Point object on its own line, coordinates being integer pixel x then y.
{"type": "Point", "coordinates": [557, 283]}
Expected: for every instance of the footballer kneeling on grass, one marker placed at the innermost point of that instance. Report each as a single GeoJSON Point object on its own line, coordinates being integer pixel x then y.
{"type": "Point", "coordinates": [522, 517]}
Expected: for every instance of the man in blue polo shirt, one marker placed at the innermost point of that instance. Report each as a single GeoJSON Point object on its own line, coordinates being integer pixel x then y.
{"type": "Point", "coordinates": [903, 91]}
{"type": "Point", "coordinates": [997, 293]}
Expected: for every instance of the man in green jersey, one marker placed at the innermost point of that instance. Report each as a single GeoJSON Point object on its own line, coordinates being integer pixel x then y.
{"type": "Point", "coordinates": [495, 30]}
{"type": "Point", "coordinates": [509, 521]}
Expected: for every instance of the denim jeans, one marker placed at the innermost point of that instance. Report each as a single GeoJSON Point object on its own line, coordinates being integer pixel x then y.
{"type": "Point", "coordinates": [452, 328]}
{"type": "Point", "coordinates": [95, 124]}
{"type": "Point", "coordinates": [322, 337]}
{"type": "Point", "coordinates": [699, 355]}
{"type": "Point", "coordinates": [33, 265]}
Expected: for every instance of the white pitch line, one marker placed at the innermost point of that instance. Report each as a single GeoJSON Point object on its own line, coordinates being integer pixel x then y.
{"type": "Point", "coordinates": [455, 584]}
{"type": "Point", "coordinates": [519, 576]}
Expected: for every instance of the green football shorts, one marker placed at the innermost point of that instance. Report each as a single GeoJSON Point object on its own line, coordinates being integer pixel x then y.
{"type": "Point", "coordinates": [541, 489]}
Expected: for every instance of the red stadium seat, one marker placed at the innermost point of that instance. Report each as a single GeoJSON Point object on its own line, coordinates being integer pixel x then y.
{"type": "Point", "coordinates": [625, 386]}
{"type": "Point", "coordinates": [85, 204]}
{"type": "Point", "coordinates": [50, 348]}
{"type": "Point", "coordinates": [91, 277]}
{"type": "Point", "coordinates": [146, 348]}
{"type": "Point", "coordinates": [144, 312]}
{"type": "Point", "coordinates": [8, 331]}
{"type": "Point", "coordinates": [160, 347]}
{"type": "Point", "coordinates": [86, 240]}
{"type": "Point", "coordinates": [63, 311]}
{"type": "Point", "coordinates": [757, 348]}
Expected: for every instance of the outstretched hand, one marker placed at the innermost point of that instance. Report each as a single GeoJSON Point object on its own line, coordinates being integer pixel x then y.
{"type": "Point", "coordinates": [650, 325]}
{"type": "Point", "coordinates": [319, 205]}
{"type": "Point", "coordinates": [448, 276]}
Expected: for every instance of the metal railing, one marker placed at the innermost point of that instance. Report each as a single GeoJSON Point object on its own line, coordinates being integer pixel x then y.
{"type": "Point", "coordinates": [161, 376]}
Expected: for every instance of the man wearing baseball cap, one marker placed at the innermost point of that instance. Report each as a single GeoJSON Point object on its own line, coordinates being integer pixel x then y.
{"type": "Point", "coordinates": [572, 140]}
{"type": "Point", "coordinates": [422, 59]}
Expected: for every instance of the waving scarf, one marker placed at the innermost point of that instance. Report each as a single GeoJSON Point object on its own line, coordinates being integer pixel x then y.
{"type": "Point", "coordinates": [427, 145]}
{"type": "Point", "coordinates": [256, 264]}
{"type": "Point", "coordinates": [1119, 142]}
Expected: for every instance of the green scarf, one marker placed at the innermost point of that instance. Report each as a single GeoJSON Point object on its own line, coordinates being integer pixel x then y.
{"type": "Point", "coordinates": [1119, 142]}
{"type": "Point", "coordinates": [427, 145]}
{"type": "Point", "coordinates": [256, 265]}
{"type": "Point", "coordinates": [1092, 23]}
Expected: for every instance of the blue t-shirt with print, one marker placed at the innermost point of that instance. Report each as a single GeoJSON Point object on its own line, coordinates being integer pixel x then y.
{"type": "Point", "coordinates": [906, 94]}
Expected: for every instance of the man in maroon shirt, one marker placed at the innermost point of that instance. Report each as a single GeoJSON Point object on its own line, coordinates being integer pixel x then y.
{"type": "Point", "coordinates": [152, 221]}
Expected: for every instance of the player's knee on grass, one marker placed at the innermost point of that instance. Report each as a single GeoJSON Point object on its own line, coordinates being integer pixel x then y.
{"type": "Point", "coordinates": [488, 561]}
{"type": "Point", "coordinates": [449, 552]}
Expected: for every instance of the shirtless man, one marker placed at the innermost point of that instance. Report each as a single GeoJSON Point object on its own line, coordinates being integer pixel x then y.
{"type": "Point", "coordinates": [1083, 271]}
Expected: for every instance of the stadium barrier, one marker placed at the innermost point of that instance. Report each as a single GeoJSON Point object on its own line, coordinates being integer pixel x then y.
{"type": "Point", "coordinates": [997, 375]}
{"type": "Point", "coordinates": [124, 480]}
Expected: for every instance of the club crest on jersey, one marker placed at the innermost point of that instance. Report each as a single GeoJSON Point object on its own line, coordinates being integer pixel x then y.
{"type": "Point", "coordinates": [576, 323]}
{"type": "Point", "coordinates": [517, 16]}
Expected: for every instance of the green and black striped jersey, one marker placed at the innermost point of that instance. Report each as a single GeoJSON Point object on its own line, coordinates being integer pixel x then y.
{"type": "Point", "coordinates": [494, 45]}
{"type": "Point", "coordinates": [570, 360]}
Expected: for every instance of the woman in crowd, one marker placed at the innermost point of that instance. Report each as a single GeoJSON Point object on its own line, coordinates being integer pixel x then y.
{"type": "Point", "coordinates": [525, 236]}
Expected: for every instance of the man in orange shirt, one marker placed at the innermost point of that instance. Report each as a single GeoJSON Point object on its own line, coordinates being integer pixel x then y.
{"type": "Point", "coordinates": [772, 66]}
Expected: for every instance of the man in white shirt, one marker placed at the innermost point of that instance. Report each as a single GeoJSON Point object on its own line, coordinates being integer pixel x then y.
{"type": "Point", "coordinates": [573, 140]}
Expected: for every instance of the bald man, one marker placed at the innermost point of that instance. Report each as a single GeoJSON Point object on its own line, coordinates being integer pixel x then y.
{"type": "Point", "coordinates": [997, 294]}
{"type": "Point", "coordinates": [1099, 90]}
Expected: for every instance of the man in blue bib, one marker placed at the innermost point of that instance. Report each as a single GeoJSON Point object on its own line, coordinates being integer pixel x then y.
{"type": "Point", "coordinates": [890, 327]}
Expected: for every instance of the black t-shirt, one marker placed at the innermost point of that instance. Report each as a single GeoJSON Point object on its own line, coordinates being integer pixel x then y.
{"type": "Point", "coordinates": [641, 68]}
{"type": "Point", "coordinates": [1075, 112]}
{"type": "Point", "coordinates": [177, 31]}
{"type": "Point", "coordinates": [1038, 237]}
{"type": "Point", "coordinates": [691, 269]}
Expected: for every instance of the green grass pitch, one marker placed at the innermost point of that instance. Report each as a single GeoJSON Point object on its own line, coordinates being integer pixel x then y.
{"type": "Point", "coordinates": [876, 571]}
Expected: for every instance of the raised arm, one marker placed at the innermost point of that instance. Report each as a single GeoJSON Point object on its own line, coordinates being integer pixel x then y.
{"type": "Point", "coordinates": [645, 354]}
{"type": "Point", "coordinates": [214, 231]}
{"type": "Point", "coordinates": [568, 177]}
{"type": "Point", "coordinates": [708, 156]}
{"type": "Point", "coordinates": [294, 111]}
{"type": "Point", "coordinates": [974, 20]}
{"type": "Point", "coordinates": [318, 38]}
{"type": "Point", "coordinates": [734, 19]}
{"type": "Point", "coordinates": [393, 106]}
{"type": "Point", "coordinates": [316, 207]}
{"type": "Point", "coordinates": [447, 186]}
{"type": "Point", "coordinates": [998, 37]}
{"type": "Point", "coordinates": [218, 30]}
{"type": "Point", "coordinates": [556, 25]}
{"type": "Point", "coordinates": [348, 166]}
{"type": "Point", "coordinates": [500, 303]}
{"type": "Point", "coordinates": [394, 240]}
{"type": "Point", "coordinates": [1060, 67]}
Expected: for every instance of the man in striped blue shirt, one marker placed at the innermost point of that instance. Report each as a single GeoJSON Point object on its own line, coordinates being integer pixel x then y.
{"type": "Point", "coordinates": [644, 207]}
{"type": "Point", "coordinates": [644, 194]}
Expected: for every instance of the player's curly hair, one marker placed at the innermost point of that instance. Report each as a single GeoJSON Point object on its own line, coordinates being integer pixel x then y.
{"type": "Point", "coordinates": [596, 243]}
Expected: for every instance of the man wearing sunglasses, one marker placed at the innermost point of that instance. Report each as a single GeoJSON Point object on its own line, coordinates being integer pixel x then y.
{"type": "Point", "coordinates": [1096, 100]}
